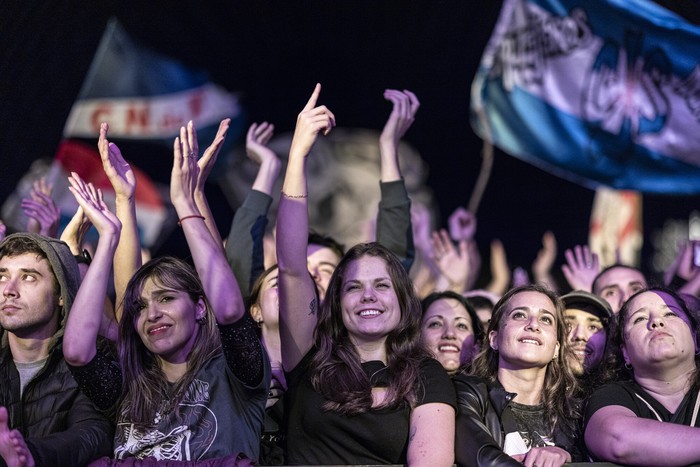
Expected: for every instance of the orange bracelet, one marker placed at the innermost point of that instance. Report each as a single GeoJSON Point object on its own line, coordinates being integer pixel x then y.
{"type": "Point", "coordinates": [190, 217]}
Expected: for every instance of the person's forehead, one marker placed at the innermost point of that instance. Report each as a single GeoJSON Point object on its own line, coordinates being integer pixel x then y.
{"type": "Point", "coordinates": [578, 314]}
{"type": "Point", "coordinates": [367, 267]}
{"type": "Point", "coordinates": [532, 300]}
{"type": "Point", "coordinates": [448, 308]}
{"type": "Point", "coordinates": [25, 261]}
{"type": "Point", "coordinates": [152, 287]}
{"type": "Point", "coordinates": [621, 277]}
{"type": "Point", "coordinates": [317, 254]}
{"type": "Point", "coordinates": [270, 280]}
{"type": "Point", "coordinates": [653, 300]}
{"type": "Point", "coordinates": [649, 301]}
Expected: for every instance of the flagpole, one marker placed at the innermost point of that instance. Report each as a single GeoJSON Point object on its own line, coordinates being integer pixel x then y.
{"type": "Point", "coordinates": [486, 164]}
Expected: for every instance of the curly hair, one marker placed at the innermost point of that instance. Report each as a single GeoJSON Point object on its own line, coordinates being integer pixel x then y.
{"type": "Point", "coordinates": [560, 384]}
{"type": "Point", "coordinates": [336, 370]}
{"type": "Point", "coordinates": [146, 389]}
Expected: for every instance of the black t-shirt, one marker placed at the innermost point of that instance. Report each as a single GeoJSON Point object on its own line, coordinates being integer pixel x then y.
{"type": "Point", "coordinates": [378, 436]}
{"type": "Point", "coordinates": [533, 424]}
{"type": "Point", "coordinates": [632, 396]}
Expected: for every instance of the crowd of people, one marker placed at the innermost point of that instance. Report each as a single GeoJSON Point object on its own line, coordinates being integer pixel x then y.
{"type": "Point", "coordinates": [381, 354]}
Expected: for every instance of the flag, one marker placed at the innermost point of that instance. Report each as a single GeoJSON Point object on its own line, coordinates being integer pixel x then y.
{"type": "Point", "coordinates": [84, 159]}
{"type": "Point", "coordinates": [74, 156]}
{"type": "Point", "coordinates": [144, 95]}
{"type": "Point", "coordinates": [598, 92]}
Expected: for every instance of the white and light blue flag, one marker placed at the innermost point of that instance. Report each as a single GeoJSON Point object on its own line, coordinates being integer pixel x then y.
{"type": "Point", "coordinates": [598, 92]}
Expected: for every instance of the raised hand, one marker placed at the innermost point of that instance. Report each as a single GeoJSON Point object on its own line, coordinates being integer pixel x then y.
{"type": "Point", "coordinates": [453, 263]}
{"type": "Point", "coordinates": [41, 209]}
{"type": "Point", "coordinates": [183, 178]}
{"type": "Point", "coordinates": [311, 121]}
{"type": "Point", "coordinates": [75, 231]}
{"type": "Point", "coordinates": [3, 230]}
{"type": "Point", "coordinates": [257, 150]}
{"type": "Point", "coordinates": [89, 317]}
{"type": "Point", "coordinates": [118, 171]}
{"type": "Point", "coordinates": [256, 142]}
{"type": "Point", "coordinates": [474, 263]}
{"type": "Point", "coordinates": [500, 272]}
{"type": "Point", "coordinates": [462, 224]}
{"type": "Point", "coordinates": [208, 159]}
{"type": "Point", "coordinates": [687, 267]}
{"type": "Point", "coordinates": [405, 106]}
{"type": "Point", "coordinates": [520, 277]}
{"type": "Point", "coordinates": [542, 266]}
{"type": "Point", "coordinates": [581, 267]}
{"type": "Point", "coordinates": [94, 208]}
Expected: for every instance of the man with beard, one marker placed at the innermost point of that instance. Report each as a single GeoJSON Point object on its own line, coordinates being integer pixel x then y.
{"type": "Point", "coordinates": [587, 318]}
{"type": "Point", "coordinates": [44, 418]}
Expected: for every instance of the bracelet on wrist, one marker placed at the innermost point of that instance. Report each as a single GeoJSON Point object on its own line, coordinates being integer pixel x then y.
{"type": "Point", "coordinates": [84, 257]}
{"type": "Point", "coordinates": [193, 216]}
{"type": "Point", "coordinates": [288, 196]}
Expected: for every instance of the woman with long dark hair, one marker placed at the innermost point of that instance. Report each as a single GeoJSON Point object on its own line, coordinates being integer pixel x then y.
{"type": "Point", "coordinates": [451, 330]}
{"type": "Point", "coordinates": [517, 406]}
{"type": "Point", "coordinates": [361, 389]}
{"type": "Point", "coordinates": [191, 378]}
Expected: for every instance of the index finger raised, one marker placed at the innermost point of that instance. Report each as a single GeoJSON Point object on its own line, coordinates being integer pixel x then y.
{"type": "Point", "coordinates": [314, 98]}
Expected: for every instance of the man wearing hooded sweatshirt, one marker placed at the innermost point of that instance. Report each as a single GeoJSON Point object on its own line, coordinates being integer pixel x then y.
{"type": "Point", "coordinates": [44, 419]}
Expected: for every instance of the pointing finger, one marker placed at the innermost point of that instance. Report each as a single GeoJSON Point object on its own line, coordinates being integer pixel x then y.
{"type": "Point", "coordinates": [314, 98]}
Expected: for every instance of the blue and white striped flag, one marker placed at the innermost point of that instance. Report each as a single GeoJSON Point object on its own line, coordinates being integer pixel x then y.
{"type": "Point", "coordinates": [595, 91]}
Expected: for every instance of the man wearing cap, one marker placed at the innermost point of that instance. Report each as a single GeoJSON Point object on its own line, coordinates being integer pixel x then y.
{"type": "Point", "coordinates": [44, 418]}
{"type": "Point", "coordinates": [587, 317]}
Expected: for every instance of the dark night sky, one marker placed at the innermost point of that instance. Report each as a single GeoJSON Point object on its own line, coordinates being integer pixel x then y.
{"type": "Point", "coordinates": [272, 53]}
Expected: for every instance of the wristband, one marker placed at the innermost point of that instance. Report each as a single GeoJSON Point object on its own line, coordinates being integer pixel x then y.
{"type": "Point", "coordinates": [193, 216]}
{"type": "Point", "coordinates": [294, 196]}
{"type": "Point", "coordinates": [84, 257]}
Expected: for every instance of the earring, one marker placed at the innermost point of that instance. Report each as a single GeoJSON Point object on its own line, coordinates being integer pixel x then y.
{"type": "Point", "coordinates": [202, 321]}
{"type": "Point", "coordinates": [628, 367]}
{"type": "Point", "coordinates": [259, 323]}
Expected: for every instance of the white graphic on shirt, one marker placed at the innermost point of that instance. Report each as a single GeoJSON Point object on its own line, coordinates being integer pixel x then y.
{"type": "Point", "coordinates": [191, 430]}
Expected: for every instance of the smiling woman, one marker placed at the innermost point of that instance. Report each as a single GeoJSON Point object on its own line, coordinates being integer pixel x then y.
{"type": "Point", "coordinates": [190, 378]}
{"type": "Point", "coordinates": [451, 330]}
{"type": "Point", "coordinates": [361, 389]}
{"type": "Point", "coordinates": [517, 407]}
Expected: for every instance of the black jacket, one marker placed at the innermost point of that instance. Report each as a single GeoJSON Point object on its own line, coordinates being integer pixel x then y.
{"type": "Point", "coordinates": [479, 429]}
{"type": "Point", "coordinates": [483, 419]}
{"type": "Point", "coordinates": [59, 423]}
